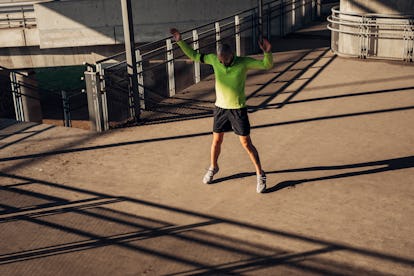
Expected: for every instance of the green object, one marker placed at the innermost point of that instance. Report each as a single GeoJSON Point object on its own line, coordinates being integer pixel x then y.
{"type": "Point", "coordinates": [230, 81]}
{"type": "Point", "coordinates": [66, 78]}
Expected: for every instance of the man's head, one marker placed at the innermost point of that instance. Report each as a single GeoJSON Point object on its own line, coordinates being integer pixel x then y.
{"type": "Point", "coordinates": [225, 54]}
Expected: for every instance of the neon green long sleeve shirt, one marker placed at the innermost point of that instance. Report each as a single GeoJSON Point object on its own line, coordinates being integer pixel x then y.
{"type": "Point", "coordinates": [230, 80]}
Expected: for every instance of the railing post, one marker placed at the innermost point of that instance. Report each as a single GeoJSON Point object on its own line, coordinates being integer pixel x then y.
{"type": "Point", "coordinates": [260, 18]}
{"type": "Point", "coordinates": [313, 9]}
{"type": "Point", "coordinates": [364, 38]}
{"type": "Point", "coordinates": [293, 16]}
{"type": "Point", "coordinates": [129, 37]}
{"type": "Point", "coordinates": [303, 19]}
{"type": "Point", "coordinates": [254, 35]}
{"type": "Point", "coordinates": [269, 22]}
{"type": "Point", "coordinates": [319, 8]}
{"type": "Point", "coordinates": [66, 109]}
{"type": "Point", "coordinates": [170, 67]}
{"type": "Point", "coordinates": [282, 18]}
{"type": "Point", "coordinates": [23, 17]}
{"type": "Point", "coordinates": [94, 101]}
{"type": "Point", "coordinates": [238, 34]}
{"type": "Point", "coordinates": [408, 40]}
{"type": "Point", "coordinates": [17, 97]}
{"type": "Point", "coordinates": [218, 37]}
{"type": "Point", "coordinates": [104, 103]}
{"type": "Point", "coordinates": [196, 46]}
{"type": "Point", "coordinates": [140, 72]}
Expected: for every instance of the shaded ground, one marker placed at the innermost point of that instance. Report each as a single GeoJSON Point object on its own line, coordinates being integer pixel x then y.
{"type": "Point", "coordinates": [335, 136]}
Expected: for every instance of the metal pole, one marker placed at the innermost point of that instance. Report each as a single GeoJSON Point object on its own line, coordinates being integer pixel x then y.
{"type": "Point", "coordinates": [196, 46]}
{"type": "Point", "coordinates": [238, 35]}
{"type": "Point", "coordinates": [260, 8]}
{"type": "Point", "coordinates": [170, 67]}
{"type": "Point", "coordinates": [217, 27]}
{"type": "Point", "coordinates": [66, 109]}
{"type": "Point", "coordinates": [130, 54]}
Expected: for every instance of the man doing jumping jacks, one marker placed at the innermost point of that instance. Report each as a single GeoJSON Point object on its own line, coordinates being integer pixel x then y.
{"type": "Point", "coordinates": [231, 111]}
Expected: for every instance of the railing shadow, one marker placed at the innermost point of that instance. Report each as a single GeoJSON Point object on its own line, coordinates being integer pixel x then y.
{"type": "Point", "coordinates": [96, 222]}
{"type": "Point", "coordinates": [385, 165]}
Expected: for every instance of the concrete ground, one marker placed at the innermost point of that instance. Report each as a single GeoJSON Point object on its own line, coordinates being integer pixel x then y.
{"type": "Point", "coordinates": [335, 136]}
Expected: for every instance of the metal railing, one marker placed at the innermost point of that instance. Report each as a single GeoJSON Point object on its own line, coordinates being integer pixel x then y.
{"type": "Point", "coordinates": [163, 70]}
{"type": "Point", "coordinates": [372, 35]}
{"type": "Point", "coordinates": [19, 15]}
{"type": "Point", "coordinates": [61, 103]}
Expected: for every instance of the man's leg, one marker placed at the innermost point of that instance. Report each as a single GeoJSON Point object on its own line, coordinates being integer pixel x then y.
{"type": "Point", "coordinates": [216, 148]}
{"type": "Point", "coordinates": [254, 156]}
{"type": "Point", "coordinates": [252, 151]}
{"type": "Point", "coordinates": [215, 152]}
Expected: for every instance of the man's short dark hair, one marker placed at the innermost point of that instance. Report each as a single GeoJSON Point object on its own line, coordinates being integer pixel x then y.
{"type": "Point", "coordinates": [224, 50]}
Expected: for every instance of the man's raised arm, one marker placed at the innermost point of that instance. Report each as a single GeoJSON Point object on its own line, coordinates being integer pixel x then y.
{"type": "Point", "coordinates": [188, 51]}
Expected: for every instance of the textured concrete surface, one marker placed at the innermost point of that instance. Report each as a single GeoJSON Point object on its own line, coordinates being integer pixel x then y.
{"type": "Point", "coordinates": [335, 136]}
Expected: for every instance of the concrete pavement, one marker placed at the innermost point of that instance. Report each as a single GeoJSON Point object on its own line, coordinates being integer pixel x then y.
{"type": "Point", "coordinates": [335, 137]}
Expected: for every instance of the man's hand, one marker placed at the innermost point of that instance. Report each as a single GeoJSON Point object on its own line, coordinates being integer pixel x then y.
{"type": "Point", "coordinates": [265, 46]}
{"type": "Point", "coordinates": [176, 34]}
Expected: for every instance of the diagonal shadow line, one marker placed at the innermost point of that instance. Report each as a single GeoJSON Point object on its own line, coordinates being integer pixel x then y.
{"type": "Point", "coordinates": [99, 241]}
{"type": "Point", "coordinates": [341, 96]}
{"type": "Point", "coordinates": [58, 208]}
{"type": "Point", "coordinates": [355, 83]}
{"type": "Point", "coordinates": [293, 183]}
{"type": "Point", "coordinates": [116, 220]}
{"type": "Point", "coordinates": [149, 232]}
{"type": "Point", "coordinates": [129, 237]}
{"type": "Point", "coordinates": [4, 136]}
{"type": "Point", "coordinates": [390, 164]}
{"type": "Point", "coordinates": [31, 194]}
{"type": "Point", "coordinates": [265, 261]}
{"type": "Point", "coordinates": [300, 89]}
{"type": "Point", "coordinates": [279, 74]}
{"type": "Point", "coordinates": [19, 184]}
{"type": "Point", "coordinates": [5, 123]}
{"type": "Point", "coordinates": [356, 250]}
{"type": "Point", "coordinates": [176, 235]}
{"type": "Point", "coordinates": [64, 151]}
{"type": "Point", "coordinates": [298, 75]}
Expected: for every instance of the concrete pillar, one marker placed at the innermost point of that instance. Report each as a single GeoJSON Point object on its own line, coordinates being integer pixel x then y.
{"type": "Point", "coordinates": [32, 109]}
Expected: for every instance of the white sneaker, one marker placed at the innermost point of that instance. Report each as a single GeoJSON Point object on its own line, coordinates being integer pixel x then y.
{"type": "Point", "coordinates": [261, 183]}
{"type": "Point", "coordinates": [208, 177]}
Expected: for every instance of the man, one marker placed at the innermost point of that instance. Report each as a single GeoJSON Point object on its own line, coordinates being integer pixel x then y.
{"type": "Point", "coordinates": [231, 111]}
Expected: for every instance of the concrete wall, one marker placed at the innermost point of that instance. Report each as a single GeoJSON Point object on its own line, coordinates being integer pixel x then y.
{"type": "Point", "coordinates": [32, 57]}
{"type": "Point", "coordinates": [19, 37]}
{"type": "Point", "coordinates": [99, 22]}
{"type": "Point", "coordinates": [72, 32]}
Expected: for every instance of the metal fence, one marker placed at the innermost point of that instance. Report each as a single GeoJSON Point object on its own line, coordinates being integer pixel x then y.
{"type": "Point", "coordinates": [163, 70]}
{"type": "Point", "coordinates": [372, 35]}
{"type": "Point", "coordinates": [35, 104]}
{"type": "Point", "coordinates": [18, 15]}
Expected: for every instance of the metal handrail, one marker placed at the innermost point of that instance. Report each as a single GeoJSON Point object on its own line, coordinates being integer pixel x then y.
{"type": "Point", "coordinates": [388, 16]}
{"type": "Point", "coordinates": [348, 22]}
{"type": "Point", "coordinates": [276, 4]}
{"type": "Point", "coordinates": [19, 21]}
{"type": "Point", "coordinates": [366, 29]}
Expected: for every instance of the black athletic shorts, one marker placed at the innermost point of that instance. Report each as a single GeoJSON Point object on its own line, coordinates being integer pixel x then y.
{"type": "Point", "coordinates": [231, 119]}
